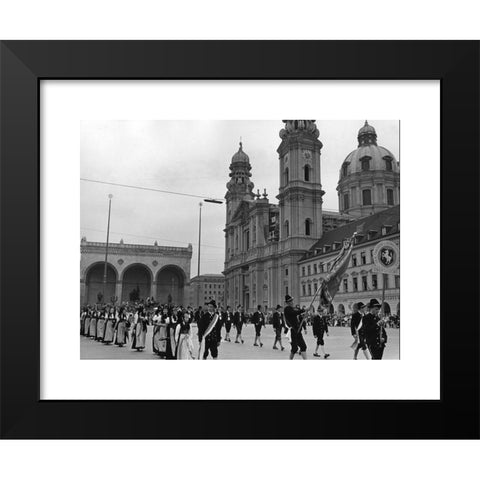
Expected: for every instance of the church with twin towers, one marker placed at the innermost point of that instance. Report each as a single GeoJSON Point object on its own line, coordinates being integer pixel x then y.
{"type": "Point", "coordinates": [285, 248]}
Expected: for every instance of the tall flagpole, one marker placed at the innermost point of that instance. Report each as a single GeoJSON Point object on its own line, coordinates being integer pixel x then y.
{"type": "Point", "coordinates": [199, 235]}
{"type": "Point", "coordinates": [110, 196]}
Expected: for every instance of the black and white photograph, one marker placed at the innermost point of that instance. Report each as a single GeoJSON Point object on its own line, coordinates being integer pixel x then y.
{"type": "Point", "coordinates": [240, 240]}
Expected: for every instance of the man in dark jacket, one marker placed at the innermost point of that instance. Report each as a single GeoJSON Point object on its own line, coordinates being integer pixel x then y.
{"type": "Point", "coordinates": [227, 319]}
{"type": "Point", "coordinates": [373, 330]}
{"type": "Point", "coordinates": [357, 331]}
{"type": "Point", "coordinates": [208, 332]}
{"type": "Point", "coordinates": [320, 327]}
{"type": "Point", "coordinates": [258, 320]}
{"type": "Point", "coordinates": [278, 325]}
{"type": "Point", "coordinates": [292, 319]}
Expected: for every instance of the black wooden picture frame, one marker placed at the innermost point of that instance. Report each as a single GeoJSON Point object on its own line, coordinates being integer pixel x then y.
{"type": "Point", "coordinates": [23, 66]}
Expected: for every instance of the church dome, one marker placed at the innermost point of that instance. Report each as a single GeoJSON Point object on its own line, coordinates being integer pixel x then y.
{"type": "Point", "coordinates": [368, 156]}
{"type": "Point", "coordinates": [240, 156]}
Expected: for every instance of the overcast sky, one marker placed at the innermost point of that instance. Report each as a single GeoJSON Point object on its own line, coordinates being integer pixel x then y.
{"type": "Point", "coordinates": [192, 157]}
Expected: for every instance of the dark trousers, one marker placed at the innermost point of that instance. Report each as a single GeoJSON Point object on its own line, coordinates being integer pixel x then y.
{"type": "Point", "coordinates": [298, 342]}
{"type": "Point", "coordinates": [376, 351]}
{"type": "Point", "coordinates": [212, 348]}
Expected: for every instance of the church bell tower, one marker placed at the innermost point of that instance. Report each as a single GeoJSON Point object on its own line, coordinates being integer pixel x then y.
{"type": "Point", "coordinates": [300, 193]}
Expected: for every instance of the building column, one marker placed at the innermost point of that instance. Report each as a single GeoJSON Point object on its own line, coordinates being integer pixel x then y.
{"type": "Point", "coordinates": [83, 291]}
{"type": "Point", "coordinates": [118, 291]}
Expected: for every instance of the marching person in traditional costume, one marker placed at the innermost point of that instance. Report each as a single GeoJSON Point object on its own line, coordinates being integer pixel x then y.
{"type": "Point", "coordinates": [320, 327]}
{"type": "Point", "coordinates": [139, 331]}
{"type": "Point", "coordinates": [86, 322]}
{"type": "Point", "coordinates": [207, 333]}
{"type": "Point", "coordinates": [183, 337]}
{"type": "Point", "coordinates": [121, 328]}
{"type": "Point", "coordinates": [374, 331]}
{"type": "Point", "coordinates": [357, 331]}
{"type": "Point", "coordinates": [227, 319]}
{"type": "Point", "coordinates": [258, 320]}
{"type": "Point", "coordinates": [278, 325]}
{"type": "Point", "coordinates": [109, 326]}
{"type": "Point", "coordinates": [292, 319]}
{"type": "Point", "coordinates": [238, 321]}
{"type": "Point", "coordinates": [93, 324]}
{"type": "Point", "coordinates": [159, 338]}
{"type": "Point", "coordinates": [101, 325]}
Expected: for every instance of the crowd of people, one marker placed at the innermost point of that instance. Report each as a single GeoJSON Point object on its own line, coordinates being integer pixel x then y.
{"type": "Point", "coordinates": [172, 337]}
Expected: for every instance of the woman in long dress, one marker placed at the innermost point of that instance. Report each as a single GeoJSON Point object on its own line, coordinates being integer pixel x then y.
{"type": "Point", "coordinates": [159, 339]}
{"type": "Point", "coordinates": [93, 324]}
{"type": "Point", "coordinates": [139, 330]}
{"type": "Point", "coordinates": [101, 325]}
{"type": "Point", "coordinates": [184, 338]}
{"type": "Point", "coordinates": [109, 327]}
{"type": "Point", "coordinates": [121, 328]}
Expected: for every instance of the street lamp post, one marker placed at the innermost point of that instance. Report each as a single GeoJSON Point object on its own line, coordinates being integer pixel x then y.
{"type": "Point", "coordinates": [110, 196]}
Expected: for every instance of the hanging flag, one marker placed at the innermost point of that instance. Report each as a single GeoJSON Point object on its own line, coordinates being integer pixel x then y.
{"type": "Point", "coordinates": [331, 283]}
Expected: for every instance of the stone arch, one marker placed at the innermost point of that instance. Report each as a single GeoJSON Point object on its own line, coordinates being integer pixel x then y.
{"type": "Point", "coordinates": [386, 309]}
{"type": "Point", "coordinates": [331, 309]}
{"type": "Point", "coordinates": [136, 276]}
{"type": "Point", "coordinates": [341, 309]}
{"type": "Point", "coordinates": [94, 282]}
{"type": "Point", "coordinates": [170, 285]}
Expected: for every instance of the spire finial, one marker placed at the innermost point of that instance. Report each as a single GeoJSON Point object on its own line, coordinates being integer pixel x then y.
{"type": "Point", "coordinates": [241, 144]}
{"type": "Point", "coordinates": [366, 123]}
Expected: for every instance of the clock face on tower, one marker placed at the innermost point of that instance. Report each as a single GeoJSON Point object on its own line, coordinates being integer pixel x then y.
{"type": "Point", "coordinates": [307, 154]}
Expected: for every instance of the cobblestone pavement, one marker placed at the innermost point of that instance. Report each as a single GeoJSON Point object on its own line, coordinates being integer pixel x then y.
{"type": "Point", "coordinates": [337, 345]}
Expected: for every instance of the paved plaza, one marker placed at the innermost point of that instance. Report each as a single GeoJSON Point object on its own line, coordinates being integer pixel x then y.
{"type": "Point", "coordinates": [337, 345]}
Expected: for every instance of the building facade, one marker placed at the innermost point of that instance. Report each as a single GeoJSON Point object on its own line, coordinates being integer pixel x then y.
{"type": "Point", "coordinates": [204, 288]}
{"type": "Point", "coordinates": [361, 281]}
{"type": "Point", "coordinates": [134, 271]}
{"type": "Point", "coordinates": [268, 246]}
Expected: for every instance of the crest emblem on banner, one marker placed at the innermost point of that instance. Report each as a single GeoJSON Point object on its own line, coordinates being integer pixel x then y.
{"type": "Point", "coordinates": [386, 256]}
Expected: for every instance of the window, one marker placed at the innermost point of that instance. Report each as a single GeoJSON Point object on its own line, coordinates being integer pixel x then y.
{"type": "Point", "coordinates": [321, 268]}
{"type": "Point", "coordinates": [346, 201]}
{"type": "Point", "coordinates": [374, 282]}
{"type": "Point", "coordinates": [315, 269]}
{"type": "Point", "coordinates": [367, 197]}
{"type": "Point", "coordinates": [355, 285]}
{"type": "Point", "coordinates": [354, 260]}
{"type": "Point", "coordinates": [365, 164]}
{"type": "Point", "coordinates": [364, 283]}
{"type": "Point", "coordinates": [286, 289]}
{"type": "Point", "coordinates": [286, 176]}
{"type": "Point", "coordinates": [315, 287]}
{"type": "Point", "coordinates": [363, 258]}
{"type": "Point", "coordinates": [286, 229]}
{"type": "Point", "coordinates": [345, 285]}
{"type": "Point", "coordinates": [388, 164]}
{"type": "Point", "coordinates": [389, 196]}
{"type": "Point", "coordinates": [303, 290]}
{"type": "Point", "coordinates": [385, 280]}
{"type": "Point", "coordinates": [397, 281]}
{"type": "Point", "coordinates": [309, 269]}
{"type": "Point", "coordinates": [345, 170]}
{"type": "Point", "coordinates": [307, 226]}
{"type": "Point", "coordinates": [286, 272]}
{"type": "Point", "coordinates": [307, 173]}
{"type": "Point", "coordinates": [309, 289]}
{"type": "Point", "coordinates": [303, 271]}
{"type": "Point", "coordinates": [247, 239]}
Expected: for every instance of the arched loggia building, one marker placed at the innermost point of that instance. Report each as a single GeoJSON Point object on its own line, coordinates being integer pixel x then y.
{"type": "Point", "coordinates": [154, 271]}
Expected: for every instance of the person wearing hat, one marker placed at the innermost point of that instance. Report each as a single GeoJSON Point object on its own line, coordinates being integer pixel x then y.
{"type": "Point", "coordinates": [278, 325]}
{"type": "Point", "coordinates": [258, 320]}
{"type": "Point", "coordinates": [211, 338]}
{"type": "Point", "coordinates": [292, 319]}
{"type": "Point", "coordinates": [357, 330]}
{"type": "Point", "coordinates": [320, 327]}
{"type": "Point", "coordinates": [373, 331]}
{"type": "Point", "coordinates": [238, 321]}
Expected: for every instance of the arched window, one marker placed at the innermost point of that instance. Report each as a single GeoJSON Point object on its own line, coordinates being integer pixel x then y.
{"type": "Point", "coordinates": [286, 176]}
{"type": "Point", "coordinates": [365, 164]}
{"type": "Point", "coordinates": [308, 224]}
{"type": "Point", "coordinates": [307, 173]}
{"type": "Point", "coordinates": [287, 233]}
{"type": "Point", "coordinates": [388, 164]}
{"type": "Point", "coordinates": [345, 170]}
{"type": "Point", "coordinates": [346, 201]}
